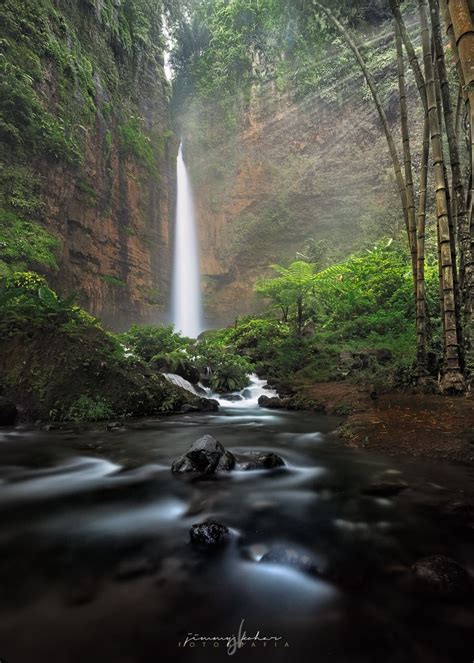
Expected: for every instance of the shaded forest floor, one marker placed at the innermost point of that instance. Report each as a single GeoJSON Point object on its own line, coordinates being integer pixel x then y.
{"type": "Point", "coordinates": [400, 423]}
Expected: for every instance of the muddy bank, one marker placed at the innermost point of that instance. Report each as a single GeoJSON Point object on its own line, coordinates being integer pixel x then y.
{"type": "Point", "coordinates": [424, 425]}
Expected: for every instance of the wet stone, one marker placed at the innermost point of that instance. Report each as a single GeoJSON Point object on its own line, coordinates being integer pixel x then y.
{"type": "Point", "coordinates": [442, 576]}
{"type": "Point", "coordinates": [209, 535]}
{"type": "Point", "coordinates": [206, 456]}
{"type": "Point", "coordinates": [255, 460]}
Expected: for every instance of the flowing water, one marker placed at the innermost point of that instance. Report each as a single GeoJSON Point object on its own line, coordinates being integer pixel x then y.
{"type": "Point", "coordinates": [186, 288]}
{"type": "Point", "coordinates": [96, 563]}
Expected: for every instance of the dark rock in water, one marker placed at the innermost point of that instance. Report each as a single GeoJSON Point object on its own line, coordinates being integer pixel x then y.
{"type": "Point", "coordinates": [189, 408]}
{"type": "Point", "coordinates": [441, 576]}
{"type": "Point", "coordinates": [8, 412]}
{"type": "Point", "coordinates": [114, 425]}
{"type": "Point", "coordinates": [209, 535]}
{"type": "Point", "coordinates": [385, 488]}
{"type": "Point", "coordinates": [292, 557]}
{"type": "Point", "coordinates": [256, 460]}
{"type": "Point", "coordinates": [206, 456]}
{"type": "Point", "coordinates": [247, 393]}
{"type": "Point", "coordinates": [135, 567]}
{"type": "Point", "coordinates": [232, 397]}
{"type": "Point", "coordinates": [209, 405]}
{"type": "Point", "coordinates": [273, 403]}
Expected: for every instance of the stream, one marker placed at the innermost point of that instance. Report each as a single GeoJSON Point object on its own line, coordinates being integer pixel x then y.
{"type": "Point", "coordinates": [96, 563]}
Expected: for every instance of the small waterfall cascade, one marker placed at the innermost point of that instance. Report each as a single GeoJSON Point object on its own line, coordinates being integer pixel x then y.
{"type": "Point", "coordinates": [178, 381]}
{"type": "Point", "coordinates": [186, 286]}
{"type": "Point", "coordinates": [245, 399]}
{"type": "Point", "coordinates": [248, 397]}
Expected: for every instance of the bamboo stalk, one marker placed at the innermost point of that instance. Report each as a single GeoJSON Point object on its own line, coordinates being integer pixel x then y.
{"type": "Point", "coordinates": [461, 220]}
{"type": "Point", "coordinates": [410, 194]}
{"type": "Point", "coordinates": [452, 378]}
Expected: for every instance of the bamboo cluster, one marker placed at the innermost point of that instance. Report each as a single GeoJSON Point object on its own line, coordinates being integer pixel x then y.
{"type": "Point", "coordinates": [443, 138]}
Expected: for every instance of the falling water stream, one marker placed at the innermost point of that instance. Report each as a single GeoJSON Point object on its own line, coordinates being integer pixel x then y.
{"type": "Point", "coordinates": [186, 290]}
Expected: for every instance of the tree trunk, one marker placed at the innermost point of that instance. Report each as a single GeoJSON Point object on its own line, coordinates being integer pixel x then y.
{"type": "Point", "coordinates": [299, 315]}
{"type": "Point", "coordinates": [460, 217]}
{"type": "Point", "coordinates": [421, 336]}
{"type": "Point", "coordinates": [410, 194]}
{"type": "Point", "coordinates": [415, 65]}
{"type": "Point", "coordinates": [452, 378]}
{"type": "Point", "coordinates": [373, 89]}
{"type": "Point", "coordinates": [460, 27]}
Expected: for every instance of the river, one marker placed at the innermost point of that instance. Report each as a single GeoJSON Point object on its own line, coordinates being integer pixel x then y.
{"type": "Point", "coordinates": [97, 565]}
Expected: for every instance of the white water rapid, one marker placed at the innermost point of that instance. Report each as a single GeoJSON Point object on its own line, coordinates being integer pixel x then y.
{"type": "Point", "coordinates": [186, 288]}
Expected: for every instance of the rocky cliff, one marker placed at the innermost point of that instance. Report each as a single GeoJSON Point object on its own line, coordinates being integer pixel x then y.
{"type": "Point", "coordinates": [87, 150]}
{"type": "Point", "coordinates": [287, 166]}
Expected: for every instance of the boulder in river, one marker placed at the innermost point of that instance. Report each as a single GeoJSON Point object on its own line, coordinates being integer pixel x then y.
{"type": "Point", "coordinates": [209, 535]}
{"type": "Point", "coordinates": [8, 412]}
{"type": "Point", "coordinates": [258, 460]}
{"type": "Point", "coordinates": [271, 402]}
{"type": "Point", "coordinates": [206, 456]}
{"type": "Point", "coordinates": [297, 559]}
{"type": "Point", "coordinates": [208, 405]}
{"type": "Point", "coordinates": [442, 576]}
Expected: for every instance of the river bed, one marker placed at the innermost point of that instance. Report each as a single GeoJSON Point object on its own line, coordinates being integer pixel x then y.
{"type": "Point", "coordinates": [97, 563]}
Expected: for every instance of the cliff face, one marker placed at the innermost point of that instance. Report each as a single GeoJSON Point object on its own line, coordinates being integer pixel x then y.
{"type": "Point", "coordinates": [87, 142]}
{"type": "Point", "coordinates": [288, 176]}
{"type": "Point", "coordinates": [285, 168]}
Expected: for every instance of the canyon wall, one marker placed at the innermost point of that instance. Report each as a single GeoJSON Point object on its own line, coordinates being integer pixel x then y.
{"type": "Point", "coordinates": [87, 149]}
{"type": "Point", "coordinates": [287, 177]}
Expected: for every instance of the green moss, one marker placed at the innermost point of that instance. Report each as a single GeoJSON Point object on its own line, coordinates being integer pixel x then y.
{"type": "Point", "coordinates": [87, 189]}
{"type": "Point", "coordinates": [24, 243]}
{"type": "Point", "coordinates": [113, 280]}
{"type": "Point", "coordinates": [136, 143]}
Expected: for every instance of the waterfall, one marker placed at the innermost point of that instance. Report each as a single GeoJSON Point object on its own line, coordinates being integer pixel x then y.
{"type": "Point", "coordinates": [186, 287]}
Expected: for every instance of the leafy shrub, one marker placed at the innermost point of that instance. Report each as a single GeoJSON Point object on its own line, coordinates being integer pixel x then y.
{"type": "Point", "coordinates": [27, 301]}
{"type": "Point", "coordinates": [228, 371]}
{"type": "Point", "coordinates": [25, 242]}
{"type": "Point", "coordinates": [86, 408]}
{"type": "Point", "coordinates": [257, 332]}
{"type": "Point", "coordinates": [147, 341]}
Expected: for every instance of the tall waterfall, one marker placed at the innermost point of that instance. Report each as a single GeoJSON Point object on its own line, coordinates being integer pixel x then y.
{"type": "Point", "coordinates": [186, 288]}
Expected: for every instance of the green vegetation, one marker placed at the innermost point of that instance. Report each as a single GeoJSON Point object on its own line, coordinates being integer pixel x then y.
{"type": "Point", "coordinates": [72, 77]}
{"type": "Point", "coordinates": [58, 363]}
{"type": "Point", "coordinates": [147, 341]}
{"type": "Point", "coordinates": [89, 409]}
{"type": "Point", "coordinates": [167, 350]}
{"type": "Point", "coordinates": [113, 280]}
{"type": "Point", "coordinates": [134, 142]}
{"type": "Point", "coordinates": [24, 243]}
{"type": "Point", "coordinates": [361, 305]}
